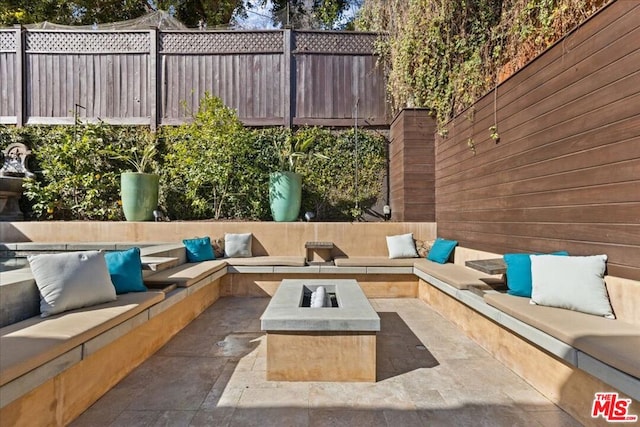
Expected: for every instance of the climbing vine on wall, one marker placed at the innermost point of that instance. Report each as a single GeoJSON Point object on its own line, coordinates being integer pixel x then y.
{"type": "Point", "coordinates": [445, 54]}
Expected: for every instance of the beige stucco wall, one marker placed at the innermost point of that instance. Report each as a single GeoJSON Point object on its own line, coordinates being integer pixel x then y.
{"type": "Point", "coordinates": [286, 238]}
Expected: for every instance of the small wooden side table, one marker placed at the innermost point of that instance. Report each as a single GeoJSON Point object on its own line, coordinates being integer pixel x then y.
{"type": "Point", "coordinates": [489, 266]}
{"type": "Point", "coordinates": [319, 253]}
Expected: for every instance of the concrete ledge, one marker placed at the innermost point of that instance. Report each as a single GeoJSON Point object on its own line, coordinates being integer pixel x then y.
{"type": "Point", "coordinates": [354, 313]}
{"type": "Point", "coordinates": [114, 333]}
{"type": "Point", "coordinates": [623, 382]}
{"type": "Point", "coordinates": [170, 299]}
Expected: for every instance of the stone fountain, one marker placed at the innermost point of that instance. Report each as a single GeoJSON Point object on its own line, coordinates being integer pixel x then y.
{"type": "Point", "coordinates": [13, 172]}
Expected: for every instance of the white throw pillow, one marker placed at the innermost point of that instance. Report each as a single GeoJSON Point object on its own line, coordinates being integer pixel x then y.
{"type": "Point", "coordinates": [401, 246]}
{"type": "Point", "coordinates": [71, 280]}
{"type": "Point", "coordinates": [237, 245]}
{"type": "Point", "coordinates": [572, 282]}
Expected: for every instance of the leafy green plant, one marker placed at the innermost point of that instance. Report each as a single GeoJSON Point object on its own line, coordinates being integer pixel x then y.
{"type": "Point", "coordinates": [444, 55]}
{"type": "Point", "coordinates": [140, 157]}
{"type": "Point", "coordinates": [493, 133]}
{"type": "Point", "coordinates": [293, 148]}
{"type": "Point", "coordinates": [329, 186]}
{"type": "Point", "coordinates": [74, 177]}
{"type": "Point", "coordinates": [210, 167]}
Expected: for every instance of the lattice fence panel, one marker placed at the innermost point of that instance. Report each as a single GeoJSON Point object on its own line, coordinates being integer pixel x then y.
{"type": "Point", "coordinates": [85, 42]}
{"type": "Point", "coordinates": [8, 41]}
{"type": "Point", "coordinates": [222, 42]}
{"type": "Point", "coordinates": [336, 43]}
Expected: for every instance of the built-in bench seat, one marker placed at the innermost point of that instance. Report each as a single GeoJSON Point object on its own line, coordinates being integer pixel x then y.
{"type": "Point", "coordinates": [186, 275]}
{"type": "Point", "coordinates": [371, 261]}
{"type": "Point", "coordinates": [613, 342]}
{"type": "Point", "coordinates": [267, 261]}
{"type": "Point", "coordinates": [601, 347]}
{"type": "Point", "coordinates": [458, 276]}
{"type": "Point", "coordinates": [36, 349]}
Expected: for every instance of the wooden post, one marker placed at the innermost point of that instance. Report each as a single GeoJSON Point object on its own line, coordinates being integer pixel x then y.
{"type": "Point", "coordinates": [289, 95]}
{"type": "Point", "coordinates": [154, 88]}
{"type": "Point", "coordinates": [20, 76]}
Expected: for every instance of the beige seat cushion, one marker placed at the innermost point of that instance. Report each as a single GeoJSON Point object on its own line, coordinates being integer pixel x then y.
{"type": "Point", "coordinates": [267, 260]}
{"type": "Point", "coordinates": [30, 343]}
{"type": "Point", "coordinates": [374, 262]}
{"type": "Point", "coordinates": [613, 342]}
{"type": "Point", "coordinates": [458, 276]}
{"type": "Point", "coordinates": [185, 275]}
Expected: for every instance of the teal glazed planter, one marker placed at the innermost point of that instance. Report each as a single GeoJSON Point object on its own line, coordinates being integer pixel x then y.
{"type": "Point", "coordinates": [139, 193]}
{"type": "Point", "coordinates": [285, 195]}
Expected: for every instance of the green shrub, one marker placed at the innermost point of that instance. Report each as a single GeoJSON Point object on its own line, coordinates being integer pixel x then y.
{"type": "Point", "coordinates": [329, 186]}
{"type": "Point", "coordinates": [76, 180]}
{"type": "Point", "coordinates": [212, 168]}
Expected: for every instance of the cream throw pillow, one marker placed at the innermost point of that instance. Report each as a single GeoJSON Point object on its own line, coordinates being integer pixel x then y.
{"type": "Point", "coordinates": [71, 280]}
{"type": "Point", "coordinates": [401, 246]}
{"type": "Point", "coordinates": [572, 282]}
{"type": "Point", "coordinates": [237, 245]}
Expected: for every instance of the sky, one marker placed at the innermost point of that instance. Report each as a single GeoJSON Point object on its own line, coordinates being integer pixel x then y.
{"type": "Point", "coordinates": [259, 17]}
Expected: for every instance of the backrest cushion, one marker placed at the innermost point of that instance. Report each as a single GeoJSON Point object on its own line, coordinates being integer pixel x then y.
{"type": "Point", "coordinates": [573, 282]}
{"type": "Point", "coordinates": [237, 245]}
{"type": "Point", "coordinates": [441, 250]}
{"type": "Point", "coordinates": [125, 269]}
{"type": "Point", "coordinates": [519, 273]}
{"type": "Point", "coordinates": [71, 280]}
{"type": "Point", "coordinates": [401, 246]}
{"type": "Point", "coordinates": [199, 249]}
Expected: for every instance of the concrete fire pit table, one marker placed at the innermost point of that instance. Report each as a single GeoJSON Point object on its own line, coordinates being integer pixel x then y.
{"type": "Point", "coordinates": [320, 344]}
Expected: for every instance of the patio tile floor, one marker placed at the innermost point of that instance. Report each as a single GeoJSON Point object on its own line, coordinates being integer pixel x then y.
{"type": "Point", "coordinates": [213, 374]}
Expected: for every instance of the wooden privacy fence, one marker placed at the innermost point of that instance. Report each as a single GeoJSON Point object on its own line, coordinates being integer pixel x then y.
{"type": "Point", "coordinates": [152, 77]}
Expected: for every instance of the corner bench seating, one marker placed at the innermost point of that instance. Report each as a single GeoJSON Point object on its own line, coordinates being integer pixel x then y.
{"type": "Point", "coordinates": [41, 346]}
{"type": "Point", "coordinates": [614, 342]}
{"type": "Point", "coordinates": [601, 348]}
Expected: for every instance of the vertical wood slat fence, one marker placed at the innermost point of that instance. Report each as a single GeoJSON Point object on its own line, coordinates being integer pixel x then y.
{"type": "Point", "coordinates": [152, 77]}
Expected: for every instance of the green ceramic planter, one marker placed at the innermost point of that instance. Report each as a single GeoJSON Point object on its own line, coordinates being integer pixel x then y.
{"type": "Point", "coordinates": [285, 195]}
{"type": "Point", "coordinates": [139, 193]}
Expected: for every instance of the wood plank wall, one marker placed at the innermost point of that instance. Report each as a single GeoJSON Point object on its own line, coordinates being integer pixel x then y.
{"type": "Point", "coordinates": [565, 173]}
{"type": "Point", "coordinates": [411, 166]}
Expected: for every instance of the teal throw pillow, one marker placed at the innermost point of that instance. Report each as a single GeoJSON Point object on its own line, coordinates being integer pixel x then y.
{"type": "Point", "coordinates": [199, 249]}
{"type": "Point", "coordinates": [125, 269]}
{"type": "Point", "coordinates": [519, 273]}
{"type": "Point", "coordinates": [441, 250]}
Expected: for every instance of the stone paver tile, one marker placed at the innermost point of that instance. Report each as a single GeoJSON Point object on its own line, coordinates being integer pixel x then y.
{"type": "Point", "coordinates": [270, 417]}
{"type": "Point", "coordinates": [183, 385]}
{"type": "Point", "coordinates": [402, 418]}
{"type": "Point", "coordinates": [384, 396]}
{"type": "Point", "coordinates": [341, 417]}
{"type": "Point", "coordinates": [107, 409]}
{"type": "Point", "coordinates": [529, 399]}
{"type": "Point", "coordinates": [136, 419]}
{"type": "Point", "coordinates": [477, 416]}
{"type": "Point", "coordinates": [483, 373]}
{"type": "Point", "coordinates": [297, 397]}
{"type": "Point", "coordinates": [329, 394]}
{"type": "Point", "coordinates": [480, 396]}
{"type": "Point", "coordinates": [260, 365]}
{"type": "Point", "coordinates": [174, 419]}
{"type": "Point", "coordinates": [218, 417]}
{"type": "Point", "coordinates": [244, 379]}
{"type": "Point", "coordinates": [221, 394]}
{"type": "Point", "coordinates": [556, 418]}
